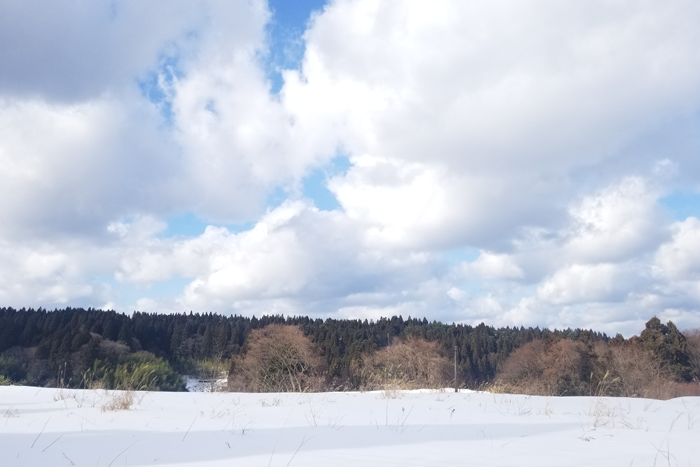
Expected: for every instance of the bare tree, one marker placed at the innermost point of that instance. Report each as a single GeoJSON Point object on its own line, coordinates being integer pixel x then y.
{"type": "Point", "coordinates": [279, 358]}
{"type": "Point", "coordinates": [409, 364]}
{"type": "Point", "coordinates": [552, 368]}
{"type": "Point", "coordinates": [523, 370]}
{"type": "Point", "coordinates": [638, 373]}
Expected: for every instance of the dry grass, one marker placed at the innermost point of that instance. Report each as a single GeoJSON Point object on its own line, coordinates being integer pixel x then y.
{"type": "Point", "coordinates": [119, 400]}
{"type": "Point", "coordinates": [498, 387]}
{"type": "Point", "coordinates": [686, 389]}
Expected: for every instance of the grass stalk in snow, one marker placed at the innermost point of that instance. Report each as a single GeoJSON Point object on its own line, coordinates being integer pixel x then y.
{"type": "Point", "coordinates": [42, 430]}
{"type": "Point", "coordinates": [188, 430]}
{"type": "Point", "coordinates": [278, 437]}
{"type": "Point", "coordinates": [52, 443]}
{"type": "Point", "coordinates": [68, 459]}
{"type": "Point", "coordinates": [119, 455]}
{"type": "Point", "coordinates": [303, 442]}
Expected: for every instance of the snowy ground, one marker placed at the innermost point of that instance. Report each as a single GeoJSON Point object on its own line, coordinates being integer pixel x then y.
{"type": "Point", "coordinates": [50, 427]}
{"type": "Point", "coordinates": [205, 385]}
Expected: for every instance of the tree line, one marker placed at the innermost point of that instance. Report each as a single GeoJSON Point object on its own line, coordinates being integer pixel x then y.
{"type": "Point", "coordinates": [76, 347]}
{"type": "Point", "coordinates": [660, 363]}
{"type": "Point", "coordinates": [68, 346]}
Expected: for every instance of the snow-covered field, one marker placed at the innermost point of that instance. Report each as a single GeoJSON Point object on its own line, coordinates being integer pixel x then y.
{"type": "Point", "coordinates": [51, 427]}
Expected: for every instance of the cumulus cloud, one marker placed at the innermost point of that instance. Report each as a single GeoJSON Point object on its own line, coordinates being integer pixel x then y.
{"type": "Point", "coordinates": [90, 146]}
{"type": "Point", "coordinates": [584, 283]}
{"type": "Point", "coordinates": [492, 266]}
{"type": "Point", "coordinates": [79, 49]}
{"type": "Point", "coordinates": [498, 108]}
{"type": "Point", "coordinates": [610, 266]}
{"type": "Point", "coordinates": [536, 133]}
{"type": "Point", "coordinates": [617, 223]}
{"type": "Point", "coordinates": [60, 273]}
{"type": "Point", "coordinates": [679, 258]}
{"type": "Point", "coordinates": [71, 168]}
{"type": "Point", "coordinates": [296, 257]}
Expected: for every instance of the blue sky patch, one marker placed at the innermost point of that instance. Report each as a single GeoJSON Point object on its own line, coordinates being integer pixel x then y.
{"type": "Point", "coordinates": [276, 198]}
{"type": "Point", "coordinates": [316, 189]}
{"type": "Point", "coordinates": [461, 255]}
{"type": "Point", "coordinates": [285, 31]}
{"type": "Point", "coordinates": [682, 204]}
{"type": "Point", "coordinates": [315, 185]}
{"type": "Point", "coordinates": [152, 88]}
{"type": "Point", "coordinates": [190, 225]}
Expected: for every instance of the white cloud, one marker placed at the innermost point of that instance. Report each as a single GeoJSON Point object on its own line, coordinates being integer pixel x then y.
{"type": "Point", "coordinates": [497, 108]}
{"type": "Point", "coordinates": [537, 133]}
{"type": "Point", "coordinates": [679, 258]}
{"type": "Point", "coordinates": [81, 49]}
{"type": "Point", "coordinates": [295, 255]}
{"type": "Point", "coordinates": [490, 266]}
{"type": "Point", "coordinates": [72, 168]}
{"type": "Point", "coordinates": [611, 267]}
{"type": "Point", "coordinates": [51, 275]}
{"type": "Point", "coordinates": [583, 283]}
{"type": "Point", "coordinates": [81, 158]}
{"type": "Point", "coordinates": [617, 223]}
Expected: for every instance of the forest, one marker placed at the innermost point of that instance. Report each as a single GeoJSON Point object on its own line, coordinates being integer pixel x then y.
{"type": "Point", "coordinates": [75, 347]}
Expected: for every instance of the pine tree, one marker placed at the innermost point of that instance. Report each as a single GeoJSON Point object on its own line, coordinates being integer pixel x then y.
{"type": "Point", "coordinates": [207, 343]}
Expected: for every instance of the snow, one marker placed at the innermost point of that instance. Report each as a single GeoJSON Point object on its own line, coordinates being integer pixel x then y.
{"type": "Point", "coordinates": [193, 384]}
{"type": "Point", "coordinates": [59, 427]}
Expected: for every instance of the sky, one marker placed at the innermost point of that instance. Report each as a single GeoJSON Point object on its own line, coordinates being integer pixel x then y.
{"type": "Point", "coordinates": [518, 163]}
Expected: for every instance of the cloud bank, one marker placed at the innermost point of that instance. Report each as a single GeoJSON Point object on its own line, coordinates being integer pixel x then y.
{"type": "Point", "coordinates": [507, 162]}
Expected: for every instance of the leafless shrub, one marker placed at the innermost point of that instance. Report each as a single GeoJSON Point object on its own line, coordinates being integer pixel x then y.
{"type": "Point", "coordinates": [564, 367]}
{"type": "Point", "coordinates": [279, 359]}
{"type": "Point", "coordinates": [633, 371]}
{"type": "Point", "coordinates": [551, 368]}
{"type": "Point", "coordinates": [409, 364]}
{"type": "Point", "coordinates": [523, 370]}
{"type": "Point", "coordinates": [639, 374]}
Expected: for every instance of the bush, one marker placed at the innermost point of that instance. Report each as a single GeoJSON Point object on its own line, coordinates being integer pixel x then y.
{"type": "Point", "coordinates": [143, 371]}
{"type": "Point", "coordinates": [409, 364]}
{"type": "Point", "coordinates": [522, 371]}
{"type": "Point", "coordinates": [279, 358]}
{"type": "Point", "coordinates": [557, 367]}
{"type": "Point", "coordinates": [12, 368]}
{"type": "Point", "coordinates": [637, 372]}
{"type": "Point", "coordinates": [566, 368]}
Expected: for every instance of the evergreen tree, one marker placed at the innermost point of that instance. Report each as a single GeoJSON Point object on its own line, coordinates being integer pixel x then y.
{"type": "Point", "coordinates": [668, 346]}
{"type": "Point", "coordinates": [207, 342]}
